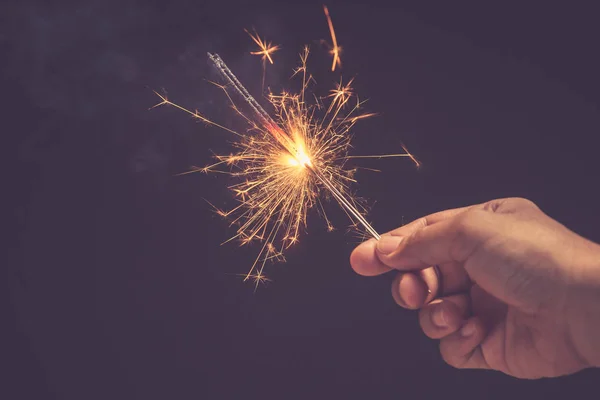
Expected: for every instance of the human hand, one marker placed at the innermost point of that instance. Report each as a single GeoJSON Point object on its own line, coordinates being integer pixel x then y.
{"type": "Point", "coordinates": [516, 291]}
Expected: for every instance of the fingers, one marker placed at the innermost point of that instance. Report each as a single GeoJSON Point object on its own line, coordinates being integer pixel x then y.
{"type": "Point", "coordinates": [462, 349]}
{"type": "Point", "coordinates": [454, 279]}
{"type": "Point", "coordinates": [444, 316]}
{"type": "Point", "coordinates": [414, 289]}
{"type": "Point", "coordinates": [448, 319]}
{"type": "Point", "coordinates": [387, 249]}
{"type": "Point", "coordinates": [509, 205]}
{"type": "Point", "coordinates": [409, 291]}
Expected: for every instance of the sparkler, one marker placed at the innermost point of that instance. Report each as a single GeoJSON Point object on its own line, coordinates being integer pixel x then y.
{"type": "Point", "coordinates": [287, 161]}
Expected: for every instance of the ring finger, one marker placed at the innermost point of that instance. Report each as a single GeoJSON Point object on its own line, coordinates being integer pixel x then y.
{"type": "Point", "coordinates": [415, 289]}
{"type": "Point", "coordinates": [444, 316]}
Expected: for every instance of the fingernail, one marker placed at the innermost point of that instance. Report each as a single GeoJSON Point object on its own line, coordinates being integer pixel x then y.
{"type": "Point", "coordinates": [438, 317]}
{"type": "Point", "coordinates": [388, 244]}
{"type": "Point", "coordinates": [468, 329]}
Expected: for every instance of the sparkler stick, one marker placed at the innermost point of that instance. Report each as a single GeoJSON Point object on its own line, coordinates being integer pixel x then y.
{"type": "Point", "coordinates": [346, 204]}
{"type": "Point", "coordinates": [284, 159]}
{"type": "Point", "coordinates": [262, 114]}
{"type": "Point", "coordinates": [233, 81]}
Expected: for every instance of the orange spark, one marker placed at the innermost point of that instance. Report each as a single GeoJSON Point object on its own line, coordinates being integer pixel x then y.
{"type": "Point", "coordinates": [363, 116]}
{"type": "Point", "coordinates": [266, 48]}
{"type": "Point", "coordinates": [335, 49]}
{"type": "Point", "coordinates": [411, 156]}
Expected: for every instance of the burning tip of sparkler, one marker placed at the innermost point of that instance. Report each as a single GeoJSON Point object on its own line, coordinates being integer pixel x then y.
{"type": "Point", "coordinates": [299, 159]}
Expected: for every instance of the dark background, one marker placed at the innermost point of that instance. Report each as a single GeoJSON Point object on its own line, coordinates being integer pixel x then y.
{"type": "Point", "coordinates": [116, 284]}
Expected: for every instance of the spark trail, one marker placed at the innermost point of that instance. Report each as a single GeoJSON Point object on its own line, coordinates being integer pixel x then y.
{"type": "Point", "coordinates": [286, 162]}
{"type": "Point", "coordinates": [288, 144]}
{"type": "Point", "coordinates": [335, 49]}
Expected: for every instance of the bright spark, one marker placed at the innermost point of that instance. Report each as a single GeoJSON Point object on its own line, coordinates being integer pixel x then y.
{"type": "Point", "coordinates": [265, 48]}
{"type": "Point", "coordinates": [335, 49]}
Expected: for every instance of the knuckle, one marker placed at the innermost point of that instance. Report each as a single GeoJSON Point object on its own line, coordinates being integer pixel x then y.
{"type": "Point", "coordinates": [510, 204]}
{"type": "Point", "coordinates": [494, 205]}
{"type": "Point", "coordinates": [464, 231]}
{"type": "Point", "coordinates": [417, 233]}
{"type": "Point", "coordinates": [522, 202]}
{"type": "Point", "coordinates": [423, 222]}
{"type": "Point", "coordinates": [414, 237]}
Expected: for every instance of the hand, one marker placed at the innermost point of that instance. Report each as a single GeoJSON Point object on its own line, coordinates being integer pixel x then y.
{"type": "Point", "coordinates": [516, 292]}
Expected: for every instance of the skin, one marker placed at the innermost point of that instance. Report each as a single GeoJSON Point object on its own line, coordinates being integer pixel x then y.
{"type": "Point", "coordinates": [517, 291]}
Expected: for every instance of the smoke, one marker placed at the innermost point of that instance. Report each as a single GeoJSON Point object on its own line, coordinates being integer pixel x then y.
{"type": "Point", "coordinates": [63, 55]}
{"type": "Point", "coordinates": [95, 62]}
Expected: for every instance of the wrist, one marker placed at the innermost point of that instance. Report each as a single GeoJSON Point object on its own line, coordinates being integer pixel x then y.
{"type": "Point", "coordinates": [584, 313]}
